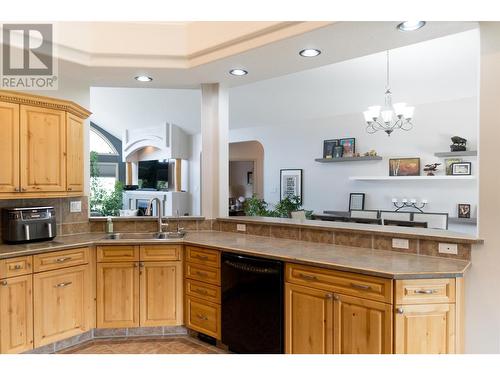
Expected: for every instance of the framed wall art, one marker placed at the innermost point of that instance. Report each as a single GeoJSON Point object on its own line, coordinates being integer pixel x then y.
{"type": "Point", "coordinates": [404, 167]}
{"type": "Point", "coordinates": [291, 183]}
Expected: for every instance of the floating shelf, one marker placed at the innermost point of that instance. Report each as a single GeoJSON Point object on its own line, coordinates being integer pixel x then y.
{"type": "Point", "coordinates": [409, 178]}
{"type": "Point", "coordinates": [339, 160]}
{"type": "Point", "coordinates": [455, 153]}
{"type": "Point", "coordinates": [460, 220]}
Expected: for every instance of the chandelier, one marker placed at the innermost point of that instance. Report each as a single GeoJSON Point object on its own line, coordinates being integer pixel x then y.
{"type": "Point", "coordinates": [388, 117]}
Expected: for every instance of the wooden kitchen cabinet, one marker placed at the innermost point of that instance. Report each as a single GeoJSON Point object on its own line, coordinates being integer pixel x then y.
{"type": "Point", "coordinates": [43, 149]}
{"type": "Point", "coordinates": [117, 294]}
{"type": "Point", "coordinates": [308, 320]}
{"type": "Point", "coordinates": [74, 158]}
{"type": "Point", "coordinates": [428, 329]}
{"type": "Point", "coordinates": [16, 314]}
{"type": "Point", "coordinates": [160, 294]}
{"type": "Point", "coordinates": [62, 304]}
{"type": "Point", "coordinates": [41, 146]}
{"type": "Point", "coordinates": [9, 147]}
{"type": "Point", "coordinates": [361, 326]}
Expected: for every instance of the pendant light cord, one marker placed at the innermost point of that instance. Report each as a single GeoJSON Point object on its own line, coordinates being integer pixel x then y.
{"type": "Point", "coordinates": [387, 83]}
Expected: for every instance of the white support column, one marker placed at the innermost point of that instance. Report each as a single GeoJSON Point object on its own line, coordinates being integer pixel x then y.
{"type": "Point", "coordinates": [215, 151]}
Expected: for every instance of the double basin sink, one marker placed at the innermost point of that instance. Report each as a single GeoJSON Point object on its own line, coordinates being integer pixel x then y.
{"type": "Point", "coordinates": [145, 236]}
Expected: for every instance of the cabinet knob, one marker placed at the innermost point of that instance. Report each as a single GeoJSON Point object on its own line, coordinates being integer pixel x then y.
{"type": "Point", "coordinates": [69, 189]}
{"type": "Point", "coordinates": [4, 283]}
{"type": "Point", "coordinates": [329, 295]}
{"type": "Point", "coordinates": [400, 310]}
{"type": "Point", "coordinates": [16, 189]}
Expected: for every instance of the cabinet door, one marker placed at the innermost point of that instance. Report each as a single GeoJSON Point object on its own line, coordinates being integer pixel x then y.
{"type": "Point", "coordinates": [74, 160]}
{"type": "Point", "coordinates": [43, 149]}
{"type": "Point", "coordinates": [361, 326]}
{"type": "Point", "coordinates": [425, 329]}
{"type": "Point", "coordinates": [308, 320]}
{"type": "Point", "coordinates": [117, 295]}
{"type": "Point", "coordinates": [9, 147]}
{"type": "Point", "coordinates": [161, 294]}
{"type": "Point", "coordinates": [62, 304]}
{"type": "Point", "coordinates": [16, 314]}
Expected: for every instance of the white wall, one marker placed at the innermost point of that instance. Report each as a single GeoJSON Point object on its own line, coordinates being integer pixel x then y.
{"type": "Point", "coordinates": [194, 181]}
{"type": "Point", "coordinates": [238, 178]}
{"type": "Point", "coordinates": [482, 312]}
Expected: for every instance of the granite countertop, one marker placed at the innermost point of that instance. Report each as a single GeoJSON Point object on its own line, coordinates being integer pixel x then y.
{"type": "Point", "coordinates": [388, 264]}
{"type": "Point", "coordinates": [409, 232]}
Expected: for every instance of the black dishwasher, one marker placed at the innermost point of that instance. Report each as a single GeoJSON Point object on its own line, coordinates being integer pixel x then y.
{"type": "Point", "coordinates": [252, 304]}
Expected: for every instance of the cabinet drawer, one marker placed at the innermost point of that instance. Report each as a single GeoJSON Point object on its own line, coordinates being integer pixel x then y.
{"type": "Point", "coordinates": [203, 316]}
{"type": "Point", "coordinates": [203, 290]}
{"type": "Point", "coordinates": [160, 252]}
{"type": "Point", "coordinates": [369, 287]}
{"type": "Point", "coordinates": [61, 259]}
{"type": "Point", "coordinates": [206, 257]}
{"type": "Point", "coordinates": [117, 253]}
{"type": "Point", "coordinates": [425, 291]}
{"type": "Point", "coordinates": [15, 267]}
{"type": "Point", "coordinates": [202, 273]}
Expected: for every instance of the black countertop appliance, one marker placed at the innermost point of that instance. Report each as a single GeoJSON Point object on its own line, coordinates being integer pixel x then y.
{"type": "Point", "coordinates": [252, 304]}
{"type": "Point", "coordinates": [27, 224]}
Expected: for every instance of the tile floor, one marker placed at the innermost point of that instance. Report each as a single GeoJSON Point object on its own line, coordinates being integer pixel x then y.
{"type": "Point", "coordinates": [157, 345]}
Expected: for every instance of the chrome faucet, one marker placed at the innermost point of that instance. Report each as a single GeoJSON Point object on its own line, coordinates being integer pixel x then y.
{"type": "Point", "coordinates": [161, 224]}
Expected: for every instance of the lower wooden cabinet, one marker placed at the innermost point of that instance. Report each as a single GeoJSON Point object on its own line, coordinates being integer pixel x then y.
{"type": "Point", "coordinates": [62, 304]}
{"type": "Point", "coordinates": [428, 329]}
{"type": "Point", "coordinates": [117, 294]}
{"type": "Point", "coordinates": [308, 320]}
{"type": "Point", "coordinates": [16, 314]}
{"type": "Point", "coordinates": [203, 316]}
{"type": "Point", "coordinates": [160, 294]}
{"type": "Point", "coordinates": [361, 326]}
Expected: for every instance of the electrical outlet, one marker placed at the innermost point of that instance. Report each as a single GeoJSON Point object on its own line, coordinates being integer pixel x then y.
{"type": "Point", "coordinates": [241, 227]}
{"type": "Point", "coordinates": [448, 248]}
{"type": "Point", "coordinates": [400, 243]}
{"type": "Point", "coordinates": [75, 206]}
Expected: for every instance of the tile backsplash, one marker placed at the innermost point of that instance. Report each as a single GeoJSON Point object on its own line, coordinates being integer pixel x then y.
{"type": "Point", "coordinates": [67, 222]}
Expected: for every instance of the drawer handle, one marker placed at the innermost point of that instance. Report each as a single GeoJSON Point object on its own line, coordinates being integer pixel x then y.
{"type": "Point", "coordinates": [202, 317]}
{"type": "Point", "coordinates": [62, 285]}
{"type": "Point", "coordinates": [361, 286]}
{"type": "Point", "coordinates": [201, 291]}
{"type": "Point", "coordinates": [62, 260]}
{"type": "Point", "coordinates": [425, 291]}
{"type": "Point", "coordinates": [202, 274]}
{"type": "Point", "coordinates": [308, 277]}
{"type": "Point", "coordinates": [201, 257]}
{"type": "Point", "coordinates": [16, 267]}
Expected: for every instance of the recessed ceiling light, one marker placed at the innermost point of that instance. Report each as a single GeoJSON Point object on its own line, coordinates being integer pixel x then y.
{"type": "Point", "coordinates": [143, 79]}
{"type": "Point", "coordinates": [411, 25]}
{"type": "Point", "coordinates": [309, 52]}
{"type": "Point", "coordinates": [238, 72]}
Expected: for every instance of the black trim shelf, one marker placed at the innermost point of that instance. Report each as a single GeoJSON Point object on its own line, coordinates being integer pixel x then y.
{"type": "Point", "coordinates": [338, 160]}
{"type": "Point", "coordinates": [455, 153]}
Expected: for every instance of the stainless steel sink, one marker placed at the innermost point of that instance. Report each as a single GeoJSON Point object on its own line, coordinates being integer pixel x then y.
{"type": "Point", "coordinates": [145, 236]}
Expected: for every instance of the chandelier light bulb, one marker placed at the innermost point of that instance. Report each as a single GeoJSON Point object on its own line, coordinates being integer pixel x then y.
{"type": "Point", "coordinates": [408, 112]}
{"type": "Point", "coordinates": [387, 116]}
{"type": "Point", "coordinates": [399, 108]}
{"type": "Point", "coordinates": [368, 116]}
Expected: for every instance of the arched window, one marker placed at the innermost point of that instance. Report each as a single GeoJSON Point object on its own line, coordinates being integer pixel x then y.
{"type": "Point", "coordinates": [100, 144]}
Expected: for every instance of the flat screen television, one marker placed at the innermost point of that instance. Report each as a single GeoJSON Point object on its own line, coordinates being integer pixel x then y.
{"type": "Point", "coordinates": [153, 174]}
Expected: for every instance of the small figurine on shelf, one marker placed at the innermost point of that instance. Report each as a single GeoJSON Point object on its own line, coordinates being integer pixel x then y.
{"type": "Point", "coordinates": [459, 144]}
{"type": "Point", "coordinates": [431, 168]}
{"type": "Point", "coordinates": [356, 155]}
{"type": "Point", "coordinates": [371, 153]}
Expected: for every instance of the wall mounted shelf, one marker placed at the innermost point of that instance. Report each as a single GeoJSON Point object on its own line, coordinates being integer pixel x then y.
{"type": "Point", "coordinates": [456, 153]}
{"type": "Point", "coordinates": [339, 160]}
{"type": "Point", "coordinates": [460, 220]}
{"type": "Point", "coordinates": [410, 178]}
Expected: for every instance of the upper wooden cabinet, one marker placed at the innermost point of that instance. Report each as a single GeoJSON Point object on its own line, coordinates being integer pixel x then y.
{"type": "Point", "coordinates": [41, 146]}
{"type": "Point", "coordinates": [74, 152]}
{"type": "Point", "coordinates": [9, 147]}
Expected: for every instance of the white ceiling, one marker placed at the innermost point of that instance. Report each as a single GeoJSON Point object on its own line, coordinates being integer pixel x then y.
{"type": "Point", "coordinates": [440, 69]}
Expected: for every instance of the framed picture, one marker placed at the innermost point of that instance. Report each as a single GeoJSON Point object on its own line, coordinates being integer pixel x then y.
{"type": "Point", "coordinates": [290, 183]}
{"type": "Point", "coordinates": [356, 201]}
{"type": "Point", "coordinates": [404, 167]}
{"type": "Point", "coordinates": [464, 211]}
{"type": "Point", "coordinates": [328, 147]}
{"type": "Point", "coordinates": [249, 178]}
{"type": "Point", "coordinates": [349, 147]}
{"type": "Point", "coordinates": [338, 151]}
{"type": "Point", "coordinates": [461, 169]}
{"type": "Point", "coordinates": [448, 163]}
